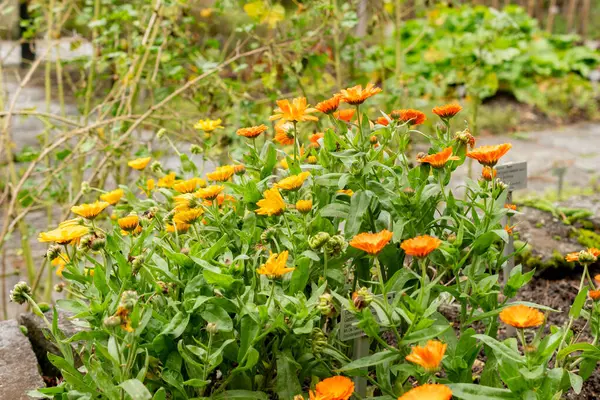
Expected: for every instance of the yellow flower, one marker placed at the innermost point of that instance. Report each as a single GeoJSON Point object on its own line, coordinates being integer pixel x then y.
{"type": "Point", "coordinates": [296, 111]}
{"type": "Point", "coordinates": [90, 211]}
{"type": "Point", "coordinates": [112, 197]}
{"type": "Point", "coordinates": [206, 12]}
{"type": "Point", "coordinates": [275, 265]}
{"type": "Point", "coordinates": [71, 222]}
{"type": "Point", "coordinates": [292, 182]}
{"type": "Point", "coordinates": [304, 206]}
{"type": "Point", "coordinates": [134, 232]}
{"type": "Point", "coordinates": [60, 263]}
{"type": "Point", "coordinates": [129, 223]}
{"type": "Point", "coordinates": [188, 216]}
{"type": "Point", "coordinates": [357, 95]}
{"type": "Point", "coordinates": [252, 132]}
{"type": "Point", "coordinates": [209, 193]}
{"type": "Point", "coordinates": [208, 125]}
{"type": "Point", "coordinates": [221, 174]}
{"type": "Point", "coordinates": [347, 192]}
{"type": "Point", "coordinates": [139, 163]}
{"type": "Point", "coordinates": [167, 181]}
{"type": "Point", "coordinates": [188, 186]}
{"type": "Point", "coordinates": [180, 226]}
{"type": "Point", "coordinates": [63, 235]}
{"type": "Point", "coordinates": [272, 204]}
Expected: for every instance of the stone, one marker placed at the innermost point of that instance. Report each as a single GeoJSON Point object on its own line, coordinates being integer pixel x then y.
{"type": "Point", "coordinates": [43, 345]}
{"type": "Point", "coordinates": [19, 370]}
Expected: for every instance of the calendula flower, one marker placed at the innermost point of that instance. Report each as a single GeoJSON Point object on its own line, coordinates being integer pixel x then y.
{"type": "Point", "coordinates": [210, 193]}
{"type": "Point", "coordinates": [221, 174]}
{"type": "Point", "coordinates": [187, 186]}
{"type": "Point", "coordinates": [304, 206]}
{"type": "Point", "coordinates": [90, 211]}
{"type": "Point", "coordinates": [63, 235]}
{"type": "Point", "coordinates": [239, 169]}
{"type": "Point", "coordinates": [594, 295]}
{"type": "Point", "coordinates": [292, 182]}
{"type": "Point", "coordinates": [112, 197]}
{"type": "Point", "coordinates": [271, 204]}
{"type": "Point", "coordinates": [382, 121]}
{"type": "Point", "coordinates": [429, 356]}
{"type": "Point", "coordinates": [139, 163]}
{"type": "Point", "coordinates": [284, 164]}
{"type": "Point", "coordinates": [206, 12]}
{"type": "Point", "coordinates": [447, 111]}
{"type": "Point", "coordinates": [511, 206]}
{"type": "Point", "coordinates": [296, 111]}
{"type": "Point", "coordinates": [412, 117]}
{"type": "Point", "coordinates": [312, 159]}
{"type": "Point", "coordinates": [584, 256]}
{"type": "Point", "coordinates": [509, 229]}
{"type": "Point", "coordinates": [521, 316]}
{"type": "Point", "coordinates": [188, 216]}
{"type": "Point", "coordinates": [420, 246]}
{"type": "Point", "coordinates": [428, 391]}
{"type": "Point", "coordinates": [167, 181]}
{"type": "Point", "coordinates": [208, 125]}
{"type": "Point", "coordinates": [372, 243]}
{"type": "Point", "coordinates": [488, 173]}
{"type": "Point", "coordinates": [439, 160]}
{"type": "Point", "coordinates": [275, 265]}
{"type": "Point", "coordinates": [134, 232]}
{"type": "Point", "coordinates": [357, 95]}
{"type": "Point", "coordinates": [330, 105]}
{"type": "Point", "coordinates": [335, 388]}
{"type": "Point", "coordinates": [347, 192]}
{"type": "Point", "coordinates": [60, 262]}
{"type": "Point", "coordinates": [344, 115]}
{"type": "Point", "coordinates": [284, 134]}
{"type": "Point", "coordinates": [129, 223]}
{"type": "Point", "coordinates": [252, 131]}
{"type": "Point", "coordinates": [181, 227]}
{"type": "Point", "coordinates": [222, 198]}
{"type": "Point", "coordinates": [314, 139]}
{"type": "Point", "coordinates": [489, 155]}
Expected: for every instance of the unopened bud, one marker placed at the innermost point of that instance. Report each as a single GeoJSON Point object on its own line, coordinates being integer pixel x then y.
{"type": "Point", "coordinates": [53, 252]}
{"type": "Point", "coordinates": [239, 169]}
{"type": "Point", "coordinates": [129, 299]}
{"type": "Point", "coordinates": [112, 322]}
{"type": "Point", "coordinates": [20, 292]}
{"type": "Point", "coordinates": [59, 287]}
{"type": "Point", "coordinates": [98, 243]}
{"type": "Point", "coordinates": [44, 307]}
{"type": "Point", "coordinates": [212, 328]}
{"type": "Point", "coordinates": [312, 160]}
{"type": "Point", "coordinates": [362, 298]}
{"type": "Point", "coordinates": [336, 245]}
{"type": "Point", "coordinates": [195, 149]}
{"type": "Point", "coordinates": [156, 167]}
{"type": "Point", "coordinates": [161, 133]}
{"type": "Point", "coordinates": [326, 306]}
{"type": "Point", "coordinates": [319, 240]}
{"type": "Point", "coordinates": [85, 187]}
{"type": "Point", "coordinates": [373, 139]}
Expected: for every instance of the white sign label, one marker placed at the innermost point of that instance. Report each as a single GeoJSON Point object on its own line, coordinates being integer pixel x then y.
{"type": "Point", "coordinates": [513, 174]}
{"type": "Point", "coordinates": [349, 329]}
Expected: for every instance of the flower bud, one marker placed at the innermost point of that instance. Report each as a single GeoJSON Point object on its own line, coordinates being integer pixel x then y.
{"type": "Point", "coordinates": [326, 306]}
{"type": "Point", "coordinates": [59, 287]}
{"type": "Point", "coordinates": [128, 299]}
{"type": "Point", "coordinates": [19, 293]}
{"type": "Point", "coordinates": [266, 234]}
{"type": "Point", "coordinates": [465, 137]}
{"type": "Point", "coordinates": [319, 240]}
{"type": "Point", "coordinates": [156, 167]}
{"type": "Point", "coordinates": [373, 139]}
{"type": "Point", "coordinates": [318, 340]}
{"type": "Point", "coordinates": [362, 298]}
{"type": "Point", "coordinates": [212, 328]}
{"type": "Point", "coordinates": [336, 245]}
{"type": "Point", "coordinates": [451, 238]}
{"type": "Point", "coordinates": [195, 149]}
{"type": "Point", "coordinates": [312, 160]}
{"type": "Point", "coordinates": [585, 257]}
{"type": "Point", "coordinates": [98, 243]}
{"type": "Point", "coordinates": [161, 132]}
{"type": "Point", "coordinates": [137, 263]}
{"type": "Point", "coordinates": [112, 322]}
{"type": "Point", "coordinates": [85, 187]}
{"type": "Point", "coordinates": [44, 307]}
{"type": "Point", "coordinates": [53, 252]}
{"type": "Point", "coordinates": [239, 169]}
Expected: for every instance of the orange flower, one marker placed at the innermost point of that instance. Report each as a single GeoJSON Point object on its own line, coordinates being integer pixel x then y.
{"type": "Point", "coordinates": [275, 265]}
{"type": "Point", "coordinates": [344, 115]}
{"type": "Point", "coordinates": [60, 262]}
{"type": "Point", "coordinates": [347, 192]}
{"type": "Point", "coordinates": [139, 163]}
{"type": "Point", "coordinates": [292, 182]}
{"type": "Point", "coordinates": [90, 211]}
{"type": "Point", "coordinates": [382, 121]}
{"type": "Point", "coordinates": [188, 186]}
{"type": "Point", "coordinates": [209, 193]}
{"type": "Point", "coordinates": [252, 131]}
{"type": "Point", "coordinates": [447, 111]}
{"type": "Point", "coordinates": [221, 199]}
{"type": "Point", "coordinates": [428, 391]}
{"type": "Point", "coordinates": [112, 197]}
{"type": "Point", "coordinates": [129, 223]}
{"type": "Point", "coordinates": [439, 160]}
{"type": "Point", "coordinates": [272, 204]}
{"type": "Point", "coordinates": [584, 256]}
{"type": "Point", "coordinates": [188, 216]}
{"type": "Point", "coordinates": [357, 95]}
{"type": "Point", "coordinates": [594, 294]}
{"type": "Point", "coordinates": [594, 251]}
{"type": "Point", "coordinates": [296, 111]}
{"type": "Point", "coordinates": [573, 257]}
{"type": "Point", "coordinates": [489, 155]}
{"type": "Point", "coordinates": [488, 173]}
{"type": "Point", "coordinates": [372, 243]}
{"type": "Point", "coordinates": [509, 229]}
{"type": "Point", "coordinates": [413, 117]}
{"type": "Point", "coordinates": [335, 388]}
{"type": "Point", "coordinates": [304, 206]}
{"type": "Point", "coordinates": [330, 105]}
{"type": "Point", "coordinates": [429, 356]}
{"type": "Point", "coordinates": [597, 278]}
{"type": "Point", "coordinates": [284, 134]}
{"type": "Point", "coordinates": [511, 206]}
{"type": "Point", "coordinates": [521, 316]}
{"type": "Point", "coordinates": [420, 246]}
{"type": "Point", "coordinates": [314, 139]}
{"type": "Point", "coordinates": [181, 227]}
{"type": "Point", "coordinates": [221, 174]}
{"type": "Point", "coordinates": [167, 181]}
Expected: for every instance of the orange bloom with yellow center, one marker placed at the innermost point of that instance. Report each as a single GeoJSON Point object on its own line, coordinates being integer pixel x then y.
{"type": "Point", "coordinates": [521, 316]}
{"type": "Point", "coordinates": [594, 294]}
{"type": "Point", "coordinates": [304, 206]}
{"type": "Point", "coordinates": [372, 243]}
{"type": "Point", "coordinates": [134, 232]}
{"type": "Point", "coordinates": [347, 192]}
{"type": "Point", "coordinates": [222, 198]}
{"type": "Point", "coordinates": [330, 105]}
{"type": "Point", "coordinates": [90, 211]}
{"type": "Point", "coordinates": [488, 173]}
{"type": "Point", "coordinates": [447, 111]}
{"type": "Point", "coordinates": [572, 257]}
{"type": "Point", "coordinates": [189, 185]}
{"type": "Point", "coordinates": [296, 111]}
{"type": "Point", "coordinates": [429, 356]}
{"type": "Point", "coordinates": [413, 117]}
{"type": "Point", "coordinates": [511, 206]}
{"type": "Point", "coordinates": [284, 134]}
{"type": "Point", "coordinates": [252, 132]}
{"type": "Point", "coordinates": [314, 139]}
{"type": "Point", "coordinates": [271, 204]}
{"type": "Point", "coordinates": [428, 391]}
{"type": "Point", "coordinates": [439, 160]}
{"type": "Point", "coordinates": [139, 163]}
{"type": "Point", "coordinates": [509, 229]}
{"type": "Point", "coordinates": [63, 235]}
{"type": "Point", "coordinates": [188, 216]}
{"type": "Point", "coordinates": [129, 223]}
{"type": "Point", "coordinates": [344, 115]}
{"type": "Point", "coordinates": [293, 182]}
{"type": "Point", "coordinates": [275, 265]}
{"type": "Point", "coordinates": [420, 246]}
{"type": "Point", "coordinates": [382, 121]}
{"type": "Point", "coordinates": [489, 155]}
{"type": "Point", "coordinates": [209, 193]}
{"type": "Point", "coordinates": [167, 181]}
{"type": "Point", "coordinates": [334, 388]}
{"type": "Point", "coordinates": [221, 174]}
{"type": "Point", "coordinates": [112, 197]}
{"type": "Point", "coordinates": [357, 95]}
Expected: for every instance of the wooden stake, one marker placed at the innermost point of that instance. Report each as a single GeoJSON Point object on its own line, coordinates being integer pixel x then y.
{"type": "Point", "coordinates": [571, 15]}
{"type": "Point", "coordinates": [585, 18]}
{"type": "Point", "coordinates": [550, 20]}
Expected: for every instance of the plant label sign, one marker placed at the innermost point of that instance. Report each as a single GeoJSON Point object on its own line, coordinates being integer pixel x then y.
{"type": "Point", "coordinates": [349, 329]}
{"type": "Point", "coordinates": [514, 174]}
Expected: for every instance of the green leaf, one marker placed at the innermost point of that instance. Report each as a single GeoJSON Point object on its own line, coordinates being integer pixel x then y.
{"type": "Point", "coordinates": [136, 390]}
{"type": "Point", "coordinates": [216, 315]}
{"type": "Point", "coordinates": [286, 382]}
{"type": "Point", "coordinates": [374, 359]}
{"type": "Point", "coordinates": [358, 208]}
{"type": "Point", "coordinates": [177, 325]}
{"type": "Point", "coordinates": [218, 279]}
{"type": "Point", "coordinates": [270, 160]}
{"type": "Point", "coordinates": [578, 303]}
{"type": "Point", "coordinates": [241, 395]}
{"type": "Point", "coordinates": [500, 349]}
{"type": "Point", "coordinates": [469, 391]}
{"type": "Point", "coordinates": [248, 332]}
{"type": "Point", "coordinates": [425, 334]}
